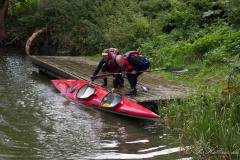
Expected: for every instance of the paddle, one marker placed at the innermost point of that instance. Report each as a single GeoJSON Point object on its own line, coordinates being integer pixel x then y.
{"type": "Point", "coordinates": [178, 70]}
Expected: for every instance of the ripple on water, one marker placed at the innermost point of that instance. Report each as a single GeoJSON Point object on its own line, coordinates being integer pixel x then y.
{"type": "Point", "coordinates": [161, 153]}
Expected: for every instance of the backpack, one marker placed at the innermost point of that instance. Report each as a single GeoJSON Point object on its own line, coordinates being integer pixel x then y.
{"type": "Point", "coordinates": [139, 56]}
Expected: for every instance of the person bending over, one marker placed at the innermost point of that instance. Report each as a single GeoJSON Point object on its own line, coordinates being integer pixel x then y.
{"type": "Point", "coordinates": [108, 64]}
{"type": "Point", "coordinates": [132, 63]}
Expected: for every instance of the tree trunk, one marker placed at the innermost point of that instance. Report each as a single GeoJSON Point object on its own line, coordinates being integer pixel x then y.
{"type": "Point", "coordinates": [3, 14]}
{"type": "Point", "coordinates": [30, 39]}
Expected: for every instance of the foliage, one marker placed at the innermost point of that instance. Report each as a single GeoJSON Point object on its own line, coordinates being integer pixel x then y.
{"type": "Point", "coordinates": [81, 27]}
{"type": "Point", "coordinates": [233, 11]}
{"type": "Point", "coordinates": [216, 43]}
{"type": "Point", "coordinates": [209, 120]}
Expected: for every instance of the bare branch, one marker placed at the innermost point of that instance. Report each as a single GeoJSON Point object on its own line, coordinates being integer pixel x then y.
{"type": "Point", "coordinates": [13, 39]}
{"type": "Point", "coordinates": [30, 39]}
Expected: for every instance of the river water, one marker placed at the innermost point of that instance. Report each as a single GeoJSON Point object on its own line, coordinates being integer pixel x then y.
{"type": "Point", "coordinates": [37, 122]}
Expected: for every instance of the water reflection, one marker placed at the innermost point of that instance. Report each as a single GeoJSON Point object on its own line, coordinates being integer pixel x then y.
{"type": "Point", "coordinates": [37, 122]}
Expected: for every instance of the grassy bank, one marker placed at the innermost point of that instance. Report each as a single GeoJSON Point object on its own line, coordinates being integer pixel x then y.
{"type": "Point", "coordinates": [207, 120]}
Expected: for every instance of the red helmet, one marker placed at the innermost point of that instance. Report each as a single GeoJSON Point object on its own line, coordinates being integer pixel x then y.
{"type": "Point", "coordinates": [113, 52]}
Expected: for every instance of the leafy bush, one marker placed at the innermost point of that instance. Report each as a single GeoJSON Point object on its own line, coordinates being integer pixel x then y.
{"type": "Point", "coordinates": [216, 43]}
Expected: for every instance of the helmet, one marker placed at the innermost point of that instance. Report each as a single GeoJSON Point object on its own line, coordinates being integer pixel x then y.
{"type": "Point", "coordinates": [115, 50]}
{"type": "Point", "coordinates": [113, 53]}
{"type": "Point", "coordinates": [105, 52]}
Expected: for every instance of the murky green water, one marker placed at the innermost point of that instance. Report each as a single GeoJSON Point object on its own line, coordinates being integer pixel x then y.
{"type": "Point", "coordinates": [37, 122]}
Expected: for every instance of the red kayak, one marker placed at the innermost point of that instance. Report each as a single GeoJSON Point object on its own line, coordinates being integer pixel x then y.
{"type": "Point", "coordinates": [92, 95]}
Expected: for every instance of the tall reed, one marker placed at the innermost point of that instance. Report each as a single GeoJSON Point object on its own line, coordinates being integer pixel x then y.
{"type": "Point", "coordinates": [209, 122]}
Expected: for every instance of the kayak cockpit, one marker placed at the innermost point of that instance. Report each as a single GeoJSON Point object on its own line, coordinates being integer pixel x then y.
{"type": "Point", "coordinates": [85, 91]}
{"type": "Point", "coordinates": [111, 100]}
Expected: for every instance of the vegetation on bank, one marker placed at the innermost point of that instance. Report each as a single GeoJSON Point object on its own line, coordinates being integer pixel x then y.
{"type": "Point", "coordinates": [200, 35]}
{"type": "Point", "coordinates": [209, 123]}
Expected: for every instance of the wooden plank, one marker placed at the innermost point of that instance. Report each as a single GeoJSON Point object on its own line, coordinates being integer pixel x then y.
{"type": "Point", "coordinates": [70, 67]}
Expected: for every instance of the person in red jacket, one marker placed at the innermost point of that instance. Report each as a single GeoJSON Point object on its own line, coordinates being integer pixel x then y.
{"type": "Point", "coordinates": [132, 62]}
{"type": "Point", "coordinates": [108, 64]}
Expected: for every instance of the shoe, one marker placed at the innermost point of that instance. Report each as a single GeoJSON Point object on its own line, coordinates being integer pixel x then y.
{"type": "Point", "coordinates": [131, 92]}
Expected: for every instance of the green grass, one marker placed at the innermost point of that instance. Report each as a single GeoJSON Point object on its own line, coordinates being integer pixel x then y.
{"type": "Point", "coordinates": [212, 77]}
{"type": "Point", "coordinates": [95, 57]}
{"type": "Point", "coordinates": [209, 122]}
{"type": "Point", "coordinates": [206, 120]}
